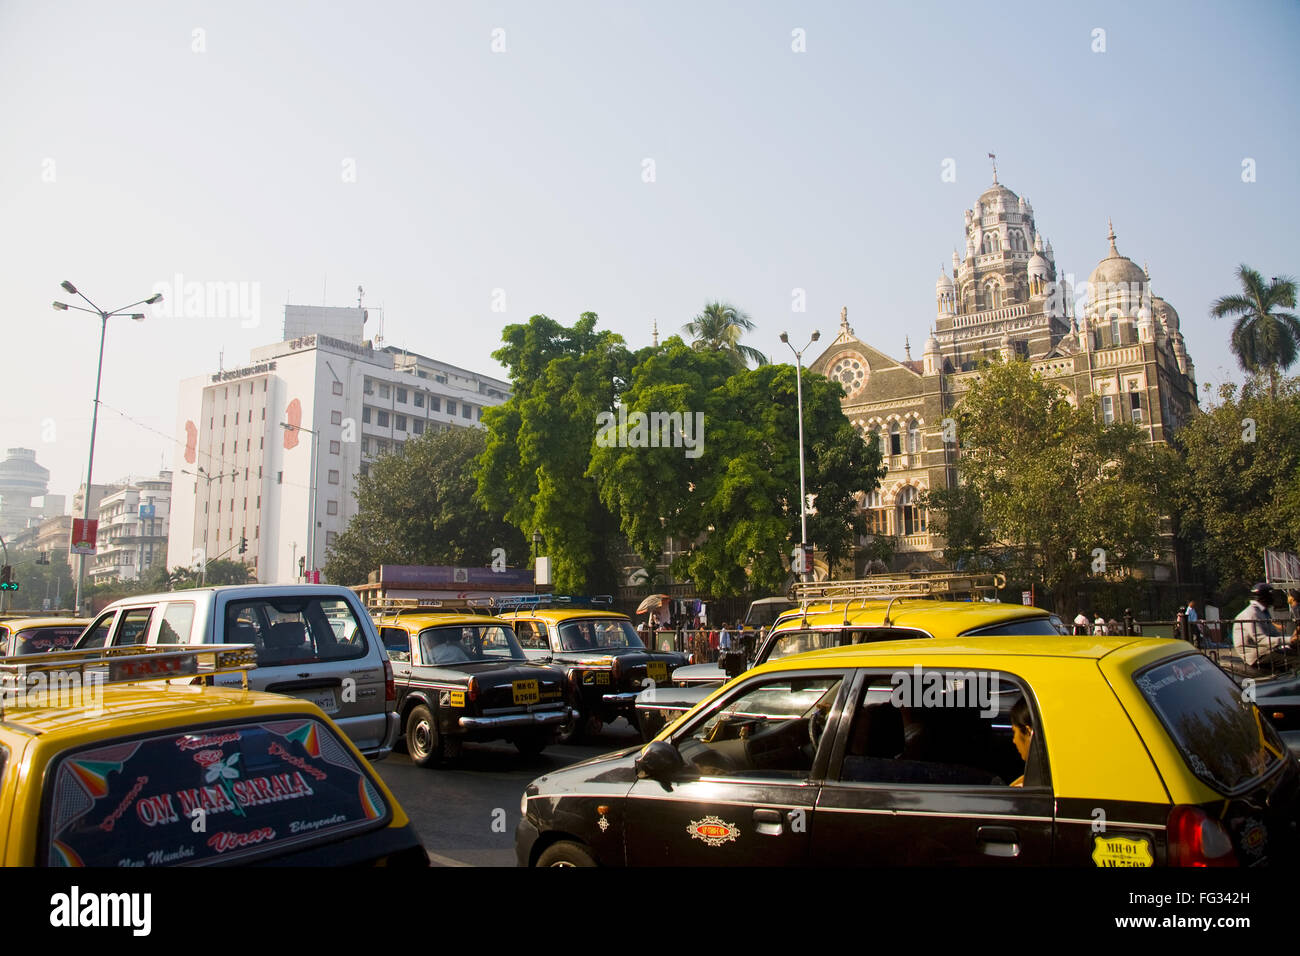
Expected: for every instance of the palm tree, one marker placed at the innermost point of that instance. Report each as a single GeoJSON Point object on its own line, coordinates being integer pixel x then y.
{"type": "Point", "coordinates": [718, 328]}
{"type": "Point", "coordinates": [1263, 339]}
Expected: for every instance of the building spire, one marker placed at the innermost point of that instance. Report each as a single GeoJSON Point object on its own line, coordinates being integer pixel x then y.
{"type": "Point", "coordinates": [994, 157]}
{"type": "Point", "coordinates": [1111, 237]}
{"type": "Point", "coordinates": [654, 332]}
{"type": "Point", "coordinates": [844, 320]}
{"type": "Point", "coordinates": [907, 347]}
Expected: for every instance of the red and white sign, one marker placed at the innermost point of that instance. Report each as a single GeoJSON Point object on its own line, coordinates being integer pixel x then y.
{"type": "Point", "coordinates": [84, 531]}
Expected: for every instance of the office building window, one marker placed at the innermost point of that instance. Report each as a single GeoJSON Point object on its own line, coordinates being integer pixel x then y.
{"type": "Point", "coordinates": [335, 447]}
{"type": "Point", "coordinates": [336, 418]}
{"type": "Point", "coordinates": [331, 507]}
{"type": "Point", "coordinates": [384, 391]}
{"type": "Point", "coordinates": [451, 407]}
{"type": "Point", "coordinates": [337, 388]}
{"type": "Point", "coordinates": [400, 423]}
{"type": "Point", "coordinates": [467, 411]}
{"type": "Point", "coordinates": [334, 477]}
{"type": "Point", "coordinates": [419, 399]}
{"type": "Point", "coordinates": [365, 414]}
{"type": "Point", "coordinates": [435, 403]}
{"type": "Point", "coordinates": [1135, 406]}
{"type": "Point", "coordinates": [383, 419]}
{"type": "Point", "coordinates": [1107, 409]}
{"type": "Point", "coordinates": [330, 538]}
{"type": "Point", "coordinates": [419, 426]}
{"type": "Point", "coordinates": [401, 395]}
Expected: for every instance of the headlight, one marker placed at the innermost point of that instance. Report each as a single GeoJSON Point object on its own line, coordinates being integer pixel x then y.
{"type": "Point", "coordinates": [523, 804]}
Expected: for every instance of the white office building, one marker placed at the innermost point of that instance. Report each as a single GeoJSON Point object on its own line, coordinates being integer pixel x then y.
{"type": "Point", "coordinates": [242, 474]}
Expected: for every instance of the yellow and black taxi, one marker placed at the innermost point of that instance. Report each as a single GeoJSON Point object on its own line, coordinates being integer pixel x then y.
{"type": "Point", "coordinates": [1001, 751]}
{"type": "Point", "coordinates": [848, 621]}
{"type": "Point", "coordinates": [103, 765]}
{"type": "Point", "coordinates": [40, 635]}
{"type": "Point", "coordinates": [597, 649]}
{"type": "Point", "coordinates": [463, 677]}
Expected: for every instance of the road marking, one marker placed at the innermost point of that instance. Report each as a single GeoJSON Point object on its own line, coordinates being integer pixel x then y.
{"type": "Point", "coordinates": [441, 860]}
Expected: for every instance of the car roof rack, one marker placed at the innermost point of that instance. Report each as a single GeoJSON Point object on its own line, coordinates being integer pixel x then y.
{"type": "Point", "coordinates": [125, 664]}
{"type": "Point", "coordinates": [521, 602]}
{"type": "Point", "coordinates": [392, 608]}
{"type": "Point", "coordinates": [892, 587]}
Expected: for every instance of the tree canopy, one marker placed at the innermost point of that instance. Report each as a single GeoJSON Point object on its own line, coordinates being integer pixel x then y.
{"type": "Point", "coordinates": [1239, 490]}
{"type": "Point", "coordinates": [418, 507]}
{"type": "Point", "coordinates": [718, 328]}
{"type": "Point", "coordinates": [1265, 338]}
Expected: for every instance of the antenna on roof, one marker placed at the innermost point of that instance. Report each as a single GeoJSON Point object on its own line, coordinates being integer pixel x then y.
{"type": "Point", "coordinates": [360, 294]}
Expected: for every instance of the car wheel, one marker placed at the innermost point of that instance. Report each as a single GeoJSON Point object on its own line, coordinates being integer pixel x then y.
{"type": "Point", "coordinates": [566, 853]}
{"type": "Point", "coordinates": [531, 745]}
{"type": "Point", "coordinates": [570, 732]}
{"type": "Point", "coordinates": [422, 740]}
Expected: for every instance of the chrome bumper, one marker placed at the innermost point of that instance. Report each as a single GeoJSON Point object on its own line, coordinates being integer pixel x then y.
{"type": "Point", "coordinates": [546, 718]}
{"type": "Point", "coordinates": [627, 697]}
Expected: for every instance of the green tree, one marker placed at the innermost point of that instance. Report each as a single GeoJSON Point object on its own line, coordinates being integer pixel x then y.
{"type": "Point", "coordinates": [1264, 338]}
{"type": "Point", "coordinates": [533, 470]}
{"type": "Point", "coordinates": [417, 507]}
{"type": "Point", "coordinates": [1239, 490]}
{"type": "Point", "coordinates": [1045, 485]}
{"type": "Point", "coordinates": [37, 581]}
{"type": "Point", "coordinates": [736, 491]}
{"type": "Point", "coordinates": [719, 327]}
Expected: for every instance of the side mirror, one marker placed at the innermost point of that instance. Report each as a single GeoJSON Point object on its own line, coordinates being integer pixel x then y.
{"type": "Point", "coordinates": [659, 761]}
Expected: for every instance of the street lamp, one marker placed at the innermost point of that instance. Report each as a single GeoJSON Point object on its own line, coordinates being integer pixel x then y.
{"type": "Point", "coordinates": [311, 508]}
{"type": "Point", "coordinates": [537, 546]}
{"type": "Point", "coordinates": [99, 374]}
{"type": "Point", "coordinates": [803, 494]}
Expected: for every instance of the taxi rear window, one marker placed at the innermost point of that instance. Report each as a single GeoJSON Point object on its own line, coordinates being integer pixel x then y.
{"type": "Point", "coordinates": [1021, 626]}
{"type": "Point", "coordinates": [263, 789]}
{"type": "Point", "coordinates": [42, 640]}
{"type": "Point", "coordinates": [1220, 734]}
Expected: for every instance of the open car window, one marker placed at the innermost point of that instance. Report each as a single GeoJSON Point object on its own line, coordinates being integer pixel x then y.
{"type": "Point", "coordinates": [769, 729]}
{"type": "Point", "coordinates": [265, 788]}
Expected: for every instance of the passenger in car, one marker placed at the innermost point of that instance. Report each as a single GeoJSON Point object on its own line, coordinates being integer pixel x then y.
{"type": "Point", "coordinates": [1022, 733]}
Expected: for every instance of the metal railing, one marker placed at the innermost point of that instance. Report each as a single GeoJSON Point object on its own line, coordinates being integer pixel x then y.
{"type": "Point", "coordinates": [887, 586]}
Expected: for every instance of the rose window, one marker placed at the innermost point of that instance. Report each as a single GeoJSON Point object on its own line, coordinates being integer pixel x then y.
{"type": "Point", "coordinates": [849, 372]}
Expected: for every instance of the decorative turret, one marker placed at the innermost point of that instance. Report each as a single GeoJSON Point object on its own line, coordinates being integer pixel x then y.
{"type": "Point", "coordinates": [945, 294]}
{"type": "Point", "coordinates": [931, 357]}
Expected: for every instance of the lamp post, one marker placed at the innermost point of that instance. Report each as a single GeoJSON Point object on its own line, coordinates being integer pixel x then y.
{"type": "Point", "coordinates": [202, 473]}
{"type": "Point", "coordinates": [94, 420]}
{"type": "Point", "coordinates": [311, 508]}
{"type": "Point", "coordinates": [537, 545]}
{"type": "Point", "coordinates": [803, 494]}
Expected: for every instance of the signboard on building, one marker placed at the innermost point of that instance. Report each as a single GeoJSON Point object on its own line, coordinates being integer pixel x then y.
{"type": "Point", "coordinates": [419, 577]}
{"type": "Point", "coordinates": [84, 531]}
{"type": "Point", "coordinates": [1026, 597]}
{"type": "Point", "coordinates": [148, 511]}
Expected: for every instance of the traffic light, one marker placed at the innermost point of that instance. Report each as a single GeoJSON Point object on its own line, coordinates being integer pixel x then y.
{"type": "Point", "coordinates": [243, 544]}
{"type": "Point", "coordinates": [7, 582]}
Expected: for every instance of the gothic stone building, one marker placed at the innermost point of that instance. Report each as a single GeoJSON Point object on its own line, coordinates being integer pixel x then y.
{"type": "Point", "coordinates": [1005, 298]}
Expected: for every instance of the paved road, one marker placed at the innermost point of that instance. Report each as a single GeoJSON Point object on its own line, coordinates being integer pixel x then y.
{"type": "Point", "coordinates": [466, 811]}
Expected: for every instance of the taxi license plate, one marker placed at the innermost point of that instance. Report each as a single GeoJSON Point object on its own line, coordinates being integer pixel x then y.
{"type": "Point", "coordinates": [324, 699]}
{"type": "Point", "coordinates": [596, 677]}
{"type": "Point", "coordinates": [456, 698]}
{"type": "Point", "coordinates": [657, 671]}
{"type": "Point", "coordinates": [525, 691]}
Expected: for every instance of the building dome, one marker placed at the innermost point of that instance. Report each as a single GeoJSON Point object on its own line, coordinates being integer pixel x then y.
{"type": "Point", "coordinates": [1116, 269]}
{"type": "Point", "coordinates": [997, 194]}
{"type": "Point", "coordinates": [1037, 267]}
{"type": "Point", "coordinates": [1166, 313]}
{"type": "Point", "coordinates": [931, 344]}
{"type": "Point", "coordinates": [943, 284]}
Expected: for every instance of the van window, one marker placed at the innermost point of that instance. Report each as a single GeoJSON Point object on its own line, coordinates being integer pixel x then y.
{"type": "Point", "coordinates": [296, 630]}
{"type": "Point", "coordinates": [177, 621]}
{"type": "Point", "coordinates": [133, 626]}
{"type": "Point", "coordinates": [97, 634]}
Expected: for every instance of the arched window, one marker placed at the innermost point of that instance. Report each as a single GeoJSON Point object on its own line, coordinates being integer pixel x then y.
{"type": "Point", "coordinates": [880, 440]}
{"type": "Point", "coordinates": [1114, 331]}
{"type": "Point", "coordinates": [911, 516]}
{"type": "Point", "coordinates": [876, 514]}
{"type": "Point", "coordinates": [913, 437]}
{"type": "Point", "coordinates": [991, 242]}
{"type": "Point", "coordinates": [992, 296]}
{"type": "Point", "coordinates": [1017, 241]}
{"type": "Point", "coordinates": [895, 439]}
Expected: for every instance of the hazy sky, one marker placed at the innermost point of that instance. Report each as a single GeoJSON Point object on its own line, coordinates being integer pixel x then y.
{"type": "Point", "coordinates": [309, 148]}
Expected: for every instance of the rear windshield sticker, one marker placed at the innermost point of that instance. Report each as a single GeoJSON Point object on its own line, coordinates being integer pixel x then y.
{"type": "Point", "coordinates": [234, 793]}
{"type": "Point", "coordinates": [1121, 851]}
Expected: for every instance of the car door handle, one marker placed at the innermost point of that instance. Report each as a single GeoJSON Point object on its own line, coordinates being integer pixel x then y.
{"type": "Point", "coordinates": [768, 822]}
{"type": "Point", "coordinates": [998, 841]}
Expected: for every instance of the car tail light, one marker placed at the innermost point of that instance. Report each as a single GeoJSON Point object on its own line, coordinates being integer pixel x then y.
{"type": "Point", "coordinates": [390, 685]}
{"type": "Point", "coordinates": [1197, 839]}
{"type": "Point", "coordinates": [471, 689]}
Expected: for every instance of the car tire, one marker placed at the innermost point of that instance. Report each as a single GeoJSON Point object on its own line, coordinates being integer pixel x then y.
{"type": "Point", "coordinates": [531, 745]}
{"type": "Point", "coordinates": [571, 731]}
{"type": "Point", "coordinates": [566, 853]}
{"type": "Point", "coordinates": [423, 742]}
